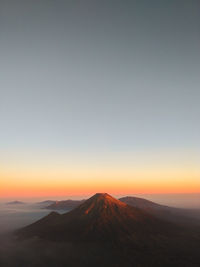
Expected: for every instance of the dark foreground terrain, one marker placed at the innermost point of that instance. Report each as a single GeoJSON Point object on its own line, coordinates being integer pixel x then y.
{"type": "Point", "coordinates": [102, 231]}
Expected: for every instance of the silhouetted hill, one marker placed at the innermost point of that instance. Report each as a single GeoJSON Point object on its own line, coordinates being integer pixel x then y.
{"type": "Point", "coordinates": [171, 214]}
{"type": "Point", "coordinates": [104, 231]}
{"type": "Point", "coordinates": [142, 203]}
{"type": "Point", "coordinates": [132, 201]}
{"type": "Point", "coordinates": [136, 202]}
{"type": "Point", "coordinates": [65, 204]}
{"type": "Point", "coordinates": [100, 218]}
{"type": "Point", "coordinates": [46, 202]}
{"type": "Point", "coordinates": [16, 202]}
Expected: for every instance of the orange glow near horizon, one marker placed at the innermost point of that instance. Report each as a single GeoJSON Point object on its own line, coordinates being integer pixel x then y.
{"type": "Point", "coordinates": [30, 182]}
{"type": "Point", "coordinates": [39, 191]}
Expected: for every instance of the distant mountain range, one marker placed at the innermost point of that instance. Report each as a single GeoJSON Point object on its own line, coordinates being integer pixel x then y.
{"type": "Point", "coordinates": [171, 214]}
{"type": "Point", "coordinates": [132, 201]}
{"type": "Point", "coordinates": [104, 231]}
{"type": "Point", "coordinates": [142, 203]}
{"type": "Point", "coordinates": [65, 204]}
{"type": "Point", "coordinates": [100, 218]}
{"type": "Point", "coordinates": [46, 202]}
{"type": "Point", "coordinates": [16, 202]}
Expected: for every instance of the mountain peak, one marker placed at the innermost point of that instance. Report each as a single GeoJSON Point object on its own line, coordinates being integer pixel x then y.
{"type": "Point", "coordinates": [100, 218]}
{"type": "Point", "coordinates": [101, 203]}
{"type": "Point", "coordinates": [104, 197]}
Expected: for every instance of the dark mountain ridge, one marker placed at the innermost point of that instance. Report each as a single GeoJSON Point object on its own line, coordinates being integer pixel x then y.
{"type": "Point", "coordinates": [142, 203]}
{"type": "Point", "coordinates": [136, 202]}
{"type": "Point", "coordinates": [46, 202]}
{"type": "Point", "coordinates": [179, 216]}
{"type": "Point", "coordinates": [16, 202]}
{"type": "Point", "coordinates": [64, 204]}
{"type": "Point", "coordinates": [171, 214]}
{"type": "Point", "coordinates": [100, 218]}
{"type": "Point", "coordinates": [104, 231]}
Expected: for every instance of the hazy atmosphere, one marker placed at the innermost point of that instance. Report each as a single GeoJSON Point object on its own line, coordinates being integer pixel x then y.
{"type": "Point", "coordinates": [99, 96]}
{"type": "Point", "coordinates": [99, 133]}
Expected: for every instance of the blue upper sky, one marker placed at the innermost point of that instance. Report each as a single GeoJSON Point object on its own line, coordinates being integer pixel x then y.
{"type": "Point", "coordinates": [99, 77]}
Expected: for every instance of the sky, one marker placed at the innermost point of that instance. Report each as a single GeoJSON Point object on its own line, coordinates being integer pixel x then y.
{"type": "Point", "coordinates": [99, 96]}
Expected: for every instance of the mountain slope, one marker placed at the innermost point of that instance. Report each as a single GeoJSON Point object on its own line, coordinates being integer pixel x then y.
{"type": "Point", "coordinates": [65, 204]}
{"type": "Point", "coordinates": [136, 202]}
{"type": "Point", "coordinates": [171, 214]}
{"type": "Point", "coordinates": [104, 231]}
{"type": "Point", "coordinates": [100, 218]}
{"type": "Point", "coordinates": [142, 203]}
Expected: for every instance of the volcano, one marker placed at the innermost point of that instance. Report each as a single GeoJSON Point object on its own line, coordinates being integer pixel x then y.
{"type": "Point", "coordinates": [100, 218]}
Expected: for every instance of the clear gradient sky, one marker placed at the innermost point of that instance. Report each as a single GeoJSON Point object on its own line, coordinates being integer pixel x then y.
{"type": "Point", "coordinates": [99, 96]}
